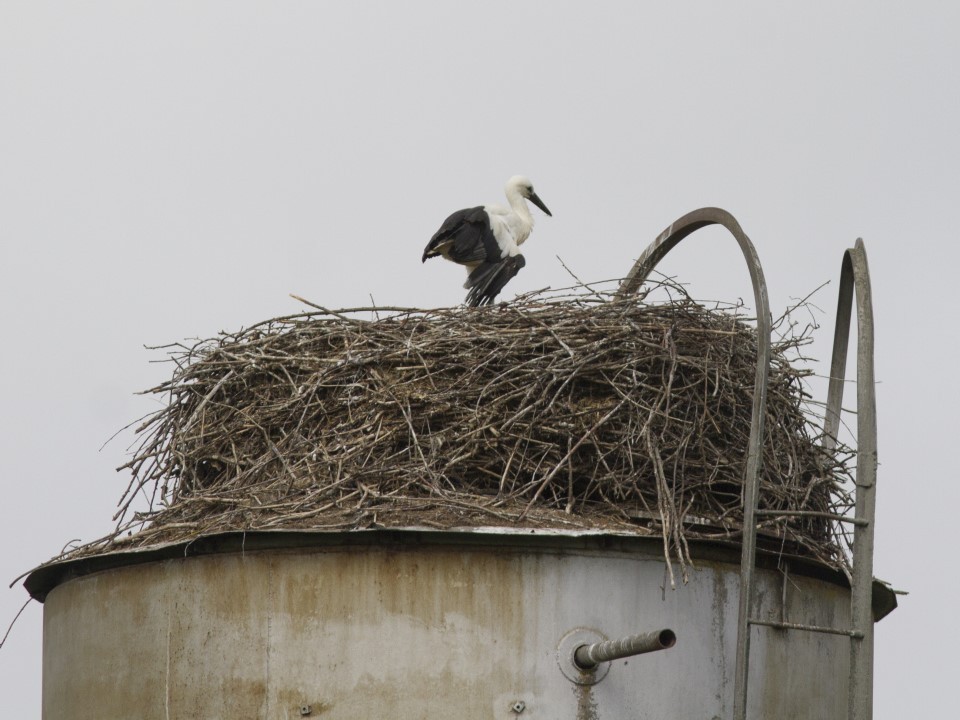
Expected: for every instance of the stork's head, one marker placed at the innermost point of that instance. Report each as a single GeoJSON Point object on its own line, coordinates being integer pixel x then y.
{"type": "Point", "coordinates": [522, 186]}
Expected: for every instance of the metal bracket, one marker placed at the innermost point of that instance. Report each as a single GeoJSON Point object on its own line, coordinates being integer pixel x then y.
{"type": "Point", "coordinates": [578, 637]}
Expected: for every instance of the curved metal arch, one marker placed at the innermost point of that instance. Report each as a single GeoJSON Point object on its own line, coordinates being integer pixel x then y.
{"type": "Point", "coordinates": [855, 276]}
{"type": "Point", "coordinates": [655, 252]}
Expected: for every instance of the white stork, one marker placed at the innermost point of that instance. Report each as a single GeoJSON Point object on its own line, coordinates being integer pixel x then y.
{"type": "Point", "coordinates": [487, 240]}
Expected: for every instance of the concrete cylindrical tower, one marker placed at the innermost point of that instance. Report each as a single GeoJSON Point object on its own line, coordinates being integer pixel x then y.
{"type": "Point", "coordinates": [418, 624]}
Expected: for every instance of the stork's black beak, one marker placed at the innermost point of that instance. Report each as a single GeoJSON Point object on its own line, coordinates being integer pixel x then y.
{"type": "Point", "coordinates": [539, 203]}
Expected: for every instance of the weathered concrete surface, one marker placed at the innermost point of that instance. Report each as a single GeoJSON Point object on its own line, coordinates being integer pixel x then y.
{"type": "Point", "coordinates": [429, 632]}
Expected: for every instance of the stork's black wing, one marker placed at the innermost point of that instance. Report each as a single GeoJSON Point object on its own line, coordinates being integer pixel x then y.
{"type": "Point", "coordinates": [465, 237]}
{"type": "Point", "coordinates": [489, 278]}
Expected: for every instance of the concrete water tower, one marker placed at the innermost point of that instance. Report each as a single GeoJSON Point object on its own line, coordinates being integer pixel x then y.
{"type": "Point", "coordinates": [498, 621]}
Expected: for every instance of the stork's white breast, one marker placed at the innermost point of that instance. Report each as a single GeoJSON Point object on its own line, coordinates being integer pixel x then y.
{"type": "Point", "coordinates": [508, 228]}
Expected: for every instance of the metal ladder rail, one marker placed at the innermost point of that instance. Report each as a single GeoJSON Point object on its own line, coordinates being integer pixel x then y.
{"type": "Point", "coordinates": [855, 275]}
{"type": "Point", "coordinates": [654, 253]}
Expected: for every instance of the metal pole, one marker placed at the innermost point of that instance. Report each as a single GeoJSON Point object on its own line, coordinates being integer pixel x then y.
{"type": "Point", "coordinates": [588, 657]}
{"type": "Point", "coordinates": [855, 277]}
{"type": "Point", "coordinates": [861, 606]}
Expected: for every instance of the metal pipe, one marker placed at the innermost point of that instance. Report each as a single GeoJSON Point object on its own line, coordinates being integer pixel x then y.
{"type": "Point", "coordinates": [587, 657]}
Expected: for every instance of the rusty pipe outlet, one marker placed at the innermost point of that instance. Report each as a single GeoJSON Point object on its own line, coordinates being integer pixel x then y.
{"type": "Point", "coordinates": [587, 657]}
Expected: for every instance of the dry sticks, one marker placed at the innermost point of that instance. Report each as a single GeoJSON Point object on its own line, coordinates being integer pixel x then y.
{"type": "Point", "coordinates": [569, 410]}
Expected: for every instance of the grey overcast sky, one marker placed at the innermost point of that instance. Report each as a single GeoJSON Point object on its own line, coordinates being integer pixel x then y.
{"type": "Point", "coordinates": [171, 169]}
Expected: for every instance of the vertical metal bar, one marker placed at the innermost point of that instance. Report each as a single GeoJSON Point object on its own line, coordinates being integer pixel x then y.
{"type": "Point", "coordinates": [666, 241]}
{"type": "Point", "coordinates": [838, 363]}
{"type": "Point", "coordinates": [783, 598]}
{"type": "Point", "coordinates": [861, 610]}
{"type": "Point", "coordinates": [855, 276]}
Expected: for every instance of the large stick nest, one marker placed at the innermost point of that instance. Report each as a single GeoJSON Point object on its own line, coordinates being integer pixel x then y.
{"type": "Point", "coordinates": [573, 411]}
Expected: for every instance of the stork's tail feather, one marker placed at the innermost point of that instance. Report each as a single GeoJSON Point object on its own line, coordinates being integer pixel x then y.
{"type": "Point", "coordinates": [488, 279]}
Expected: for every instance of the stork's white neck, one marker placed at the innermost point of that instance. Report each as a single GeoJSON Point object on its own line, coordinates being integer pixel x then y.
{"type": "Point", "coordinates": [519, 205]}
